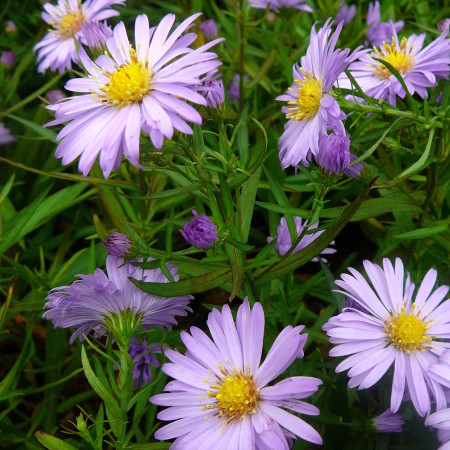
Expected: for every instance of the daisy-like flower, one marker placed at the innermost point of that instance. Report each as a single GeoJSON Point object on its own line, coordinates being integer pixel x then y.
{"type": "Point", "coordinates": [89, 303]}
{"type": "Point", "coordinates": [133, 89]}
{"type": "Point", "coordinates": [5, 135]}
{"type": "Point", "coordinates": [441, 421]}
{"type": "Point", "coordinates": [419, 67]}
{"type": "Point", "coordinates": [392, 329]}
{"type": "Point", "coordinates": [312, 111]}
{"type": "Point", "coordinates": [278, 4]}
{"type": "Point", "coordinates": [219, 397]}
{"type": "Point", "coordinates": [346, 13]}
{"type": "Point", "coordinates": [57, 50]}
{"type": "Point", "coordinates": [284, 241]}
{"type": "Point", "coordinates": [379, 32]}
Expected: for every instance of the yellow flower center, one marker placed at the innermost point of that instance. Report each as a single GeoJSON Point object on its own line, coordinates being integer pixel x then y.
{"type": "Point", "coordinates": [129, 84]}
{"type": "Point", "coordinates": [402, 61]}
{"type": "Point", "coordinates": [407, 332]}
{"type": "Point", "coordinates": [308, 100]}
{"type": "Point", "coordinates": [70, 24]}
{"type": "Point", "coordinates": [236, 394]}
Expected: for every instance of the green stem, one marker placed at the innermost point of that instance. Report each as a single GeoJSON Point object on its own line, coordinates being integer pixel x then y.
{"type": "Point", "coordinates": [125, 378]}
{"type": "Point", "coordinates": [242, 39]}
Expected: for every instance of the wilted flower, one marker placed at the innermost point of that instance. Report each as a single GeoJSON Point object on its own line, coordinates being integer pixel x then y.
{"type": "Point", "coordinates": [57, 49]}
{"type": "Point", "coordinates": [200, 231]}
{"type": "Point", "coordinates": [312, 111]}
{"type": "Point", "coordinates": [393, 330]}
{"type": "Point", "coordinates": [209, 29]}
{"type": "Point", "coordinates": [355, 170]}
{"type": "Point", "coordinates": [133, 89]}
{"type": "Point", "coordinates": [284, 241]}
{"type": "Point", "coordinates": [346, 13]}
{"type": "Point", "coordinates": [441, 421]}
{"type": "Point", "coordinates": [419, 67]}
{"type": "Point", "coordinates": [55, 96]}
{"type": "Point", "coordinates": [90, 302]}
{"type": "Point", "coordinates": [388, 422]}
{"type": "Point", "coordinates": [219, 397]}
{"type": "Point", "coordinates": [10, 27]}
{"type": "Point", "coordinates": [334, 153]}
{"type": "Point", "coordinates": [379, 32]}
{"type": "Point", "coordinates": [118, 244]}
{"type": "Point", "coordinates": [143, 357]}
{"type": "Point", "coordinates": [95, 34]}
{"type": "Point", "coordinates": [8, 59]}
{"type": "Point", "coordinates": [277, 4]}
{"type": "Point", "coordinates": [5, 135]}
{"type": "Point", "coordinates": [444, 25]}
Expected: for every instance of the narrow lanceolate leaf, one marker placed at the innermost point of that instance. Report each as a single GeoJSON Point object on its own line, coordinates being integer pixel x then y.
{"type": "Point", "coordinates": [192, 285]}
{"type": "Point", "coordinates": [424, 232]}
{"type": "Point", "coordinates": [292, 262]}
{"type": "Point", "coordinates": [52, 443]}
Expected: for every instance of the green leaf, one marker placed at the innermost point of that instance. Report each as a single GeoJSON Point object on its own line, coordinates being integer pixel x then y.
{"type": "Point", "coordinates": [37, 128]}
{"type": "Point", "coordinates": [150, 446]}
{"type": "Point", "coordinates": [246, 203]}
{"type": "Point", "coordinates": [192, 285]}
{"type": "Point", "coordinates": [286, 210]}
{"type": "Point", "coordinates": [52, 443]}
{"type": "Point", "coordinates": [424, 232]}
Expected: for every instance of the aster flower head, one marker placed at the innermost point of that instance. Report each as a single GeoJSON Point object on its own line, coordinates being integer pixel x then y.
{"type": "Point", "coordinates": [57, 50]}
{"type": "Point", "coordinates": [220, 396]}
{"type": "Point", "coordinates": [209, 29]}
{"type": "Point", "coordinates": [54, 96]}
{"type": "Point", "coordinates": [419, 66]}
{"type": "Point", "coordinates": [388, 422]}
{"type": "Point", "coordinates": [214, 93]}
{"type": "Point", "coordinates": [118, 244]}
{"type": "Point", "coordinates": [5, 135]}
{"type": "Point", "coordinates": [143, 356]}
{"type": "Point", "coordinates": [10, 27]}
{"type": "Point", "coordinates": [284, 241]}
{"type": "Point", "coordinates": [92, 301]}
{"type": "Point", "coordinates": [312, 111]}
{"type": "Point", "coordinates": [233, 87]}
{"type": "Point", "coordinates": [278, 4]}
{"type": "Point", "coordinates": [355, 170]}
{"type": "Point", "coordinates": [95, 35]}
{"type": "Point", "coordinates": [8, 59]}
{"type": "Point", "coordinates": [378, 32]}
{"type": "Point", "coordinates": [200, 231]}
{"type": "Point", "coordinates": [133, 89]}
{"type": "Point", "coordinates": [392, 330]}
{"type": "Point", "coordinates": [334, 153]}
{"type": "Point", "coordinates": [441, 421]}
{"type": "Point", "coordinates": [346, 13]}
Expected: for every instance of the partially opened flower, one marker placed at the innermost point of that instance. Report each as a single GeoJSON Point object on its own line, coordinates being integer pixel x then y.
{"type": "Point", "coordinates": [130, 90]}
{"type": "Point", "coordinates": [213, 91]}
{"type": "Point", "coordinates": [143, 356]}
{"type": "Point", "coordinates": [118, 244]}
{"type": "Point", "coordinates": [388, 422]}
{"type": "Point", "coordinates": [392, 330]}
{"type": "Point", "coordinates": [57, 50]}
{"type": "Point", "coordinates": [334, 154]}
{"type": "Point", "coordinates": [200, 231]}
{"type": "Point", "coordinates": [419, 67]}
{"type": "Point", "coordinates": [278, 4]}
{"type": "Point", "coordinates": [346, 13]}
{"type": "Point", "coordinates": [95, 34]}
{"type": "Point", "coordinates": [312, 111]}
{"type": "Point", "coordinates": [441, 421]}
{"type": "Point", "coordinates": [378, 32]}
{"type": "Point", "coordinates": [284, 241]}
{"type": "Point", "coordinates": [5, 135]}
{"type": "Point", "coordinates": [220, 396]}
{"type": "Point", "coordinates": [90, 303]}
{"type": "Point", "coordinates": [209, 29]}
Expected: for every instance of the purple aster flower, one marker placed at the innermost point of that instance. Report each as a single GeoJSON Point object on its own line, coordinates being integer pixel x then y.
{"type": "Point", "coordinates": [444, 25]}
{"type": "Point", "coordinates": [346, 13]}
{"type": "Point", "coordinates": [441, 421]}
{"type": "Point", "coordinates": [10, 27]}
{"type": "Point", "coordinates": [219, 397]}
{"type": "Point", "coordinates": [133, 89]}
{"type": "Point", "coordinates": [5, 135]}
{"type": "Point", "coordinates": [419, 67]}
{"type": "Point", "coordinates": [312, 111]}
{"type": "Point", "coordinates": [334, 153]}
{"type": "Point", "coordinates": [89, 302]}
{"type": "Point", "coordinates": [394, 330]}
{"type": "Point", "coordinates": [379, 32]}
{"type": "Point", "coordinates": [355, 170]}
{"type": "Point", "coordinates": [278, 4]}
{"type": "Point", "coordinates": [143, 356]}
{"type": "Point", "coordinates": [284, 242]}
{"type": "Point", "coordinates": [233, 87]}
{"type": "Point", "coordinates": [200, 231]}
{"type": "Point", "coordinates": [209, 29]}
{"type": "Point", "coordinates": [55, 96]}
{"type": "Point", "coordinates": [213, 91]}
{"type": "Point", "coordinates": [8, 59]}
{"type": "Point", "coordinates": [118, 244]}
{"type": "Point", "coordinates": [388, 422]}
{"type": "Point", "coordinates": [95, 34]}
{"type": "Point", "coordinates": [57, 49]}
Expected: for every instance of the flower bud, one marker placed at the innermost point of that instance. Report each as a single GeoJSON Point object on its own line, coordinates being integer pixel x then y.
{"type": "Point", "coordinates": [209, 29]}
{"type": "Point", "coordinates": [8, 59]}
{"type": "Point", "coordinates": [334, 154]}
{"type": "Point", "coordinates": [118, 245]}
{"type": "Point", "coordinates": [200, 231]}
